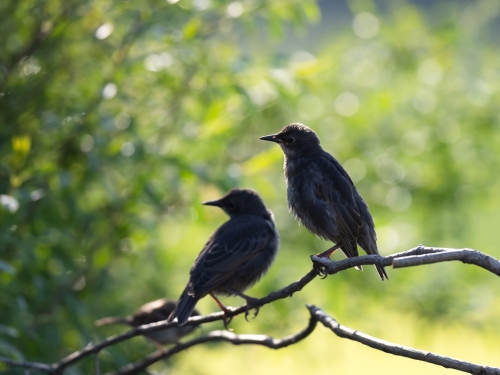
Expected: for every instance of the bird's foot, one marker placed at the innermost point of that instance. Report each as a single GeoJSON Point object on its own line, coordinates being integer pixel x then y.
{"type": "Point", "coordinates": [251, 304]}
{"type": "Point", "coordinates": [319, 268]}
{"type": "Point", "coordinates": [160, 347]}
{"type": "Point", "coordinates": [227, 320]}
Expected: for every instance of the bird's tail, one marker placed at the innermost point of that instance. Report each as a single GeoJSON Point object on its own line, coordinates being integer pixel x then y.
{"type": "Point", "coordinates": [369, 244]}
{"type": "Point", "coordinates": [184, 308]}
{"type": "Point", "coordinates": [381, 272]}
{"type": "Point", "coordinates": [111, 320]}
{"type": "Point", "coordinates": [351, 254]}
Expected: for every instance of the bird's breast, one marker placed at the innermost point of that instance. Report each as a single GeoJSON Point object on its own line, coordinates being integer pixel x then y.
{"type": "Point", "coordinates": [303, 201]}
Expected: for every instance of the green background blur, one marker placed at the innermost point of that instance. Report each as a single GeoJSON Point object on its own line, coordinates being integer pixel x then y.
{"type": "Point", "coordinates": [117, 119]}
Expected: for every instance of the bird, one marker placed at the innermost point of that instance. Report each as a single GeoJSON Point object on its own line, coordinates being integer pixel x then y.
{"type": "Point", "coordinates": [322, 196]}
{"type": "Point", "coordinates": [235, 257]}
{"type": "Point", "coordinates": [152, 312]}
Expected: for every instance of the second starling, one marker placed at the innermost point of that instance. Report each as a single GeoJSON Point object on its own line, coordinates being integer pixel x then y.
{"type": "Point", "coordinates": [322, 196]}
{"type": "Point", "coordinates": [153, 312]}
{"type": "Point", "coordinates": [236, 256]}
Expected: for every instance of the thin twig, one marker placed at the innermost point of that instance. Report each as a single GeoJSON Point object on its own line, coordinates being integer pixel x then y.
{"type": "Point", "coordinates": [230, 337]}
{"type": "Point", "coordinates": [27, 365]}
{"type": "Point", "coordinates": [399, 350]}
{"type": "Point", "coordinates": [414, 257]}
{"type": "Point", "coordinates": [96, 364]}
{"type": "Point", "coordinates": [467, 256]}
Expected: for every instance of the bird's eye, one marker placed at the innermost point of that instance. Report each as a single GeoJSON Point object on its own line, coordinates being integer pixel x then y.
{"type": "Point", "coordinates": [290, 140]}
{"type": "Point", "coordinates": [230, 204]}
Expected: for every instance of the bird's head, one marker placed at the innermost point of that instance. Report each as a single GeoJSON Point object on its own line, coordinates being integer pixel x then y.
{"type": "Point", "coordinates": [295, 139]}
{"type": "Point", "coordinates": [240, 202]}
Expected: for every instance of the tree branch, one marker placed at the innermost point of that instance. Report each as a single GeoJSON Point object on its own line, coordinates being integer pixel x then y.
{"type": "Point", "coordinates": [415, 257]}
{"type": "Point", "coordinates": [467, 256]}
{"type": "Point", "coordinates": [399, 350]}
{"type": "Point", "coordinates": [27, 365]}
{"type": "Point", "coordinates": [147, 328]}
{"type": "Point", "coordinates": [222, 336]}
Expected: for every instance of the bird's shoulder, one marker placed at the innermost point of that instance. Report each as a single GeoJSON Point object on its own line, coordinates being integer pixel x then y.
{"type": "Point", "coordinates": [240, 237]}
{"type": "Point", "coordinates": [330, 168]}
{"type": "Point", "coordinates": [243, 227]}
{"type": "Point", "coordinates": [334, 184]}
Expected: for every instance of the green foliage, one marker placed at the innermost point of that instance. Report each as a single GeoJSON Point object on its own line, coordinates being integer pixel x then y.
{"type": "Point", "coordinates": [117, 119]}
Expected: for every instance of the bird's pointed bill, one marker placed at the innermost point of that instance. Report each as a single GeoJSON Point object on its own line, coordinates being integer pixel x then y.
{"type": "Point", "coordinates": [271, 137]}
{"type": "Point", "coordinates": [216, 203]}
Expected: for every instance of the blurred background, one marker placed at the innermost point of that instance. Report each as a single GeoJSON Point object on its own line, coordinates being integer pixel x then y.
{"type": "Point", "coordinates": [117, 119]}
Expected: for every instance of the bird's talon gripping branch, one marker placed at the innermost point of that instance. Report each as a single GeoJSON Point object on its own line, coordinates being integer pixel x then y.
{"type": "Point", "coordinates": [320, 270]}
{"type": "Point", "coordinates": [251, 304]}
{"type": "Point", "coordinates": [227, 320]}
{"type": "Point", "coordinates": [256, 312]}
{"type": "Point", "coordinates": [247, 312]}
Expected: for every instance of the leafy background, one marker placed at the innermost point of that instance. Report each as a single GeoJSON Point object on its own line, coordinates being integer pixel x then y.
{"type": "Point", "coordinates": [117, 119]}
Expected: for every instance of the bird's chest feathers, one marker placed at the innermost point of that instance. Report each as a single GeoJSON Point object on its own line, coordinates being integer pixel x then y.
{"type": "Point", "coordinates": [302, 180]}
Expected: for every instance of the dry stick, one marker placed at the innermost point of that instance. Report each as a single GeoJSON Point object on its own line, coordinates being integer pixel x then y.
{"type": "Point", "coordinates": [27, 365]}
{"type": "Point", "coordinates": [221, 336]}
{"type": "Point", "coordinates": [467, 256]}
{"type": "Point", "coordinates": [399, 350]}
{"type": "Point", "coordinates": [414, 257]}
{"type": "Point", "coordinates": [147, 328]}
{"type": "Point", "coordinates": [97, 369]}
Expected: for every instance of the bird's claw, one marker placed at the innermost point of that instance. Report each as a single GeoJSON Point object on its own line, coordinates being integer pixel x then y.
{"type": "Point", "coordinates": [320, 270]}
{"type": "Point", "coordinates": [227, 320]}
{"type": "Point", "coordinates": [249, 307]}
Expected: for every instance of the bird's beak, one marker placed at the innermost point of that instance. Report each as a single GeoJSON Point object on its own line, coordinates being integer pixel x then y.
{"type": "Point", "coordinates": [272, 138]}
{"type": "Point", "coordinates": [216, 203]}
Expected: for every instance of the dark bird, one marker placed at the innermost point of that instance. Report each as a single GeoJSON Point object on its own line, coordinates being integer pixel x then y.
{"type": "Point", "coordinates": [236, 256]}
{"type": "Point", "coordinates": [153, 312]}
{"type": "Point", "coordinates": [322, 196]}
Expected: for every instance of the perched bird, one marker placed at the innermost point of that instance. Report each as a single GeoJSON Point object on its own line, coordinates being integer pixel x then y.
{"type": "Point", "coordinates": [322, 196]}
{"type": "Point", "coordinates": [236, 256]}
{"type": "Point", "coordinates": [153, 312]}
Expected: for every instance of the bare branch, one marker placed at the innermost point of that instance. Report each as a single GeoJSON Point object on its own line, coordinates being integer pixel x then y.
{"type": "Point", "coordinates": [27, 365]}
{"type": "Point", "coordinates": [417, 256]}
{"type": "Point", "coordinates": [222, 336]}
{"type": "Point", "coordinates": [399, 350]}
{"type": "Point", "coordinates": [147, 328]}
{"type": "Point", "coordinates": [467, 256]}
{"type": "Point", "coordinates": [414, 257]}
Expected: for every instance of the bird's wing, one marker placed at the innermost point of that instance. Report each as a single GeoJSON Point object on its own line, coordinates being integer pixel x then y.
{"type": "Point", "coordinates": [337, 190]}
{"type": "Point", "coordinates": [236, 242]}
{"type": "Point", "coordinates": [154, 311]}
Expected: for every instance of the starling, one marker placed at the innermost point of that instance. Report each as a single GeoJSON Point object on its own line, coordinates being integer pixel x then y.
{"type": "Point", "coordinates": [236, 256]}
{"type": "Point", "coordinates": [322, 196]}
{"type": "Point", "coordinates": [153, 312]}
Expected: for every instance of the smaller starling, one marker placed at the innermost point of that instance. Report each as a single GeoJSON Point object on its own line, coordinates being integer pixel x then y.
{"type": "Point", "coordinates": [235, 257]}
{"type": "Point", "coordinates": [322, 196]}
{"type": "Point", "coordinates": [152, 312]}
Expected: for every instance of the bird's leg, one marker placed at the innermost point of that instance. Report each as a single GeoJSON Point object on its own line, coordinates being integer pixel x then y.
{"type": "Point", "coordinates": [249, 300]}
{"type": "Point", "coordinates": [159, 346]}
{"type": "Point", "coordinates": [328, 253]}
{"type": "Point", "coordinates": [224, 309]}
{"type": "Point", "coordinates": [325, 254]}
